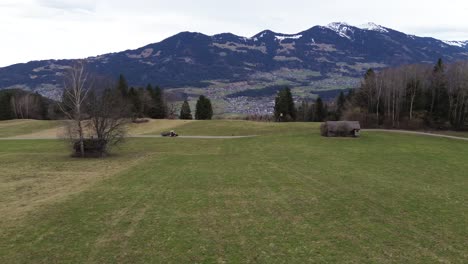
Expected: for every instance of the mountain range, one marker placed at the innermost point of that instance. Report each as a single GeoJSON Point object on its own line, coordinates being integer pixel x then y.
{"type": "Point", "coordinates": [320, 58]}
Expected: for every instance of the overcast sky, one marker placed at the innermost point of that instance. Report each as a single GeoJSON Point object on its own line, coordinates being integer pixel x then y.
{"type": "Point", "coordinates": [54, 29]}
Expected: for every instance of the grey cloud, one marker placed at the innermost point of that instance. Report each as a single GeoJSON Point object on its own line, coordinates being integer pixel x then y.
{"type": "Point", "coordinates": [455, 32]}
{"type": "Point", "coordinates": [147, 21]}
{"type": "Point", "coordinates": [441, 29]}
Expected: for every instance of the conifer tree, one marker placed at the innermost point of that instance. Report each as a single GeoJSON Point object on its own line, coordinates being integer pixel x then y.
{"type": "Point", "coordinates": [204, 109]}
{"type": "Point", "coordinates": [122, 86]}
{"type": "Point", "coordinates": [303, 112]}
{"type": "Point", "coordinates": [149, 89]}
{"type": "Point", "coordinates": [136, 104]}
{"type": "Point", "coordinates": [439, 101]}
{"type": "Point", "coordinates": [156, 107]}
{"type": "Point", "coordinates": [320, 111]}
{"type": "Point", "coordinates": [6, 112]}
{"type": "Point", "coordinates": [185, 112]}
{"type": "Point", "coordinates": [340, 105]}
{"type": "Point", "coordinates": [159, 103]}
{"type": "Point", "coordinates": [285, 109]}
{"type": "Point", "coordinates": [150, 109]}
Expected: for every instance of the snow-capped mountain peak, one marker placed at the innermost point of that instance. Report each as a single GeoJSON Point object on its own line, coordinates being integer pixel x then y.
{"type": "Point", "coordinates": [343, 29]}
{"type": "Point", "coordinates": [337, 25]}
{"type": "Point", "coordinates": [373, 27]}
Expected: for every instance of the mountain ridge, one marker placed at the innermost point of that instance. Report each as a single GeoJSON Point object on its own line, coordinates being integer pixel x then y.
{"type": "Point", "coordinates": [331, 53]}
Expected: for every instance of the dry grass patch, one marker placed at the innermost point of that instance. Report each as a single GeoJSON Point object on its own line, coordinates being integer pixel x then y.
{"type": "Point", "coordinates": [12, 128]}
{"type": "Point", "coordinates": [32, 179]}
{"type": "Point", "coordinates": [52, 133]}
{"type": "Point", "coordinates": [39, 129]}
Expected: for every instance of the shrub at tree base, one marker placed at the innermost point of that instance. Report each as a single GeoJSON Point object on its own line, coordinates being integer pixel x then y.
{"type": "Point", "coordinates": [93, 148]}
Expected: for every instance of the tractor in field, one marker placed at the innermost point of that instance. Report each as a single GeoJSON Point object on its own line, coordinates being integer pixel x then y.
{"type": "Point", "coordinates": [172, 133]}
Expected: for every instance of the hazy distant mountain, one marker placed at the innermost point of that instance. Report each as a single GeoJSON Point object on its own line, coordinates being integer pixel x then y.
{"type": "Point", "coordinates": [337, 52]}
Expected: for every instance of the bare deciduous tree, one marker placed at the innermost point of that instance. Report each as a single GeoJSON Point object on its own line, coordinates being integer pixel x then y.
{"type": "Point", "coordinates": [417, 95]}
{"type": "Point", "coordinates": [109, 113]}
{"type": "Point", "coordinates": [77, 85]}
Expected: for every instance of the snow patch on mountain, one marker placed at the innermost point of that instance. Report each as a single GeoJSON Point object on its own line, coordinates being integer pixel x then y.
{"type": "Point", "coordinates": [373, 27]}
{"type": "Point", "coordinates": [283, 37]}
{"type": "Point", "coordinates": [460, 44]}
{"type": "Point", "coordinates": [263, 34]}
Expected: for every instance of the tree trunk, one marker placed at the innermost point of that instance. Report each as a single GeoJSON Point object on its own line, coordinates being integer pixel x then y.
{"type": "Point", "coordinates": [80, 132]}
{"type": "Point", "coordinates": [411, 106]}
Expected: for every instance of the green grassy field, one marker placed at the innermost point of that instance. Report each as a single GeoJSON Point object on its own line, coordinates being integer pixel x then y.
{"type": "Point", "coordinates": [453, 133]}
{"type": "Point", "coordinates": [287, 196]}
{"type": "Point", "coordinates": [240, 128]}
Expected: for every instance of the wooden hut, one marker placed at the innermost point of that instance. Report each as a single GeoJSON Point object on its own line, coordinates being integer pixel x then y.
{"type": "Point", "coordinates": [340, 129]}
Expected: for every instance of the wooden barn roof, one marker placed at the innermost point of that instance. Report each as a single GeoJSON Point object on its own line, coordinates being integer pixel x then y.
{"type": "Point", "coordinates": [333, 125]}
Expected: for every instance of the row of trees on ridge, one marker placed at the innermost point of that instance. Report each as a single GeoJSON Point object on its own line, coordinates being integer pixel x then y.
{"type": "Point", "coordinates": [412, 96]}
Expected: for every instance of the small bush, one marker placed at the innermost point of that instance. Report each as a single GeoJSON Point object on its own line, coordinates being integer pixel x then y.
{"type": "Point", "coordinates": [92, 148]}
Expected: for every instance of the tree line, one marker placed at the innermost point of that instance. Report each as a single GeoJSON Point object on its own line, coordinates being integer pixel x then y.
{"type": "Point", "coordinates": [148, 102]}
{"type": "Point", "coordinates": [413, 96]}
{"type": "Point", "coordinates": [151, 102]}
{"type": "Point", "coordinates": [285, 109]}
{"type": "Point", "coordinates": [18, 104]}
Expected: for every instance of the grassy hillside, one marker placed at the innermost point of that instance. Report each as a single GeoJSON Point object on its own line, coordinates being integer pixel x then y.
{"type": "Point", "coordinates": [22, 127]}
{"type": "Point", "coordinates": [288, 196]}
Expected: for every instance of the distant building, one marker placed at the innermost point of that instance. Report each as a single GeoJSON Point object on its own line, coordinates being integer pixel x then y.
{"type": "Point", "coordinates": [340, 129]}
